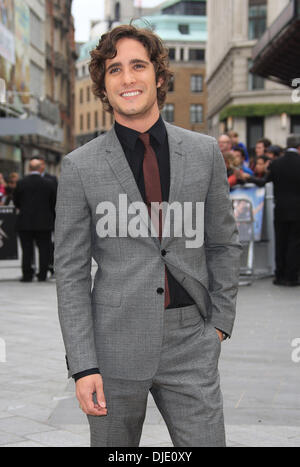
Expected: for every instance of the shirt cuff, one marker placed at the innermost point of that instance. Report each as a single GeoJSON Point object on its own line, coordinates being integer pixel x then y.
{"type": "Point", "coordinates": [82, 374]}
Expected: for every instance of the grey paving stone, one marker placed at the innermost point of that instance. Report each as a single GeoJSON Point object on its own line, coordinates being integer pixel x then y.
{"type": "Point", "coordinates": [24, 444]}
{"type": "Point", "coordinates": [60, 438]}
{"type": "Point", "coordinates": [6, 438]}
{"type": "Point", "coordinates": [22, 426]}
{"type": "Point", "coordinates": [260, 383]}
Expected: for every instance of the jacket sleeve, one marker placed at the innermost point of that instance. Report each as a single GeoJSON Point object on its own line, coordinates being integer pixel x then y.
{"type": "Point", "coordinates": [222, 247]}
{"type": "Point", "coordinates": [73, 270]}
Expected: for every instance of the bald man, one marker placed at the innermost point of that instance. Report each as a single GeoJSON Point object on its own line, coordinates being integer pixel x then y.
{"type": "Point", "coordinates": [35, 199]}
{"type": "Point", "coordinates": [225, 144]}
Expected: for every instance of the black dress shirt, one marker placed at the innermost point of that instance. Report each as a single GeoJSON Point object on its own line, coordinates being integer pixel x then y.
{"type": "Point", "coordinates": [134, 152]}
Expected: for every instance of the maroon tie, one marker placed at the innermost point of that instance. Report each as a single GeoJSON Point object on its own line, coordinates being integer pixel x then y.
{"type": "Point", "coordinates": [153, 194]}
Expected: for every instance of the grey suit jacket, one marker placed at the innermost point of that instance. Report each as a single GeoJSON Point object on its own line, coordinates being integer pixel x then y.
{"type": "Point", "coordinates": [117, 324]}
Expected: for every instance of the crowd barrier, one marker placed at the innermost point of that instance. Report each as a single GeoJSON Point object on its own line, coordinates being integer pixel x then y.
{"type": "Point", "coordinates": [253, 208]}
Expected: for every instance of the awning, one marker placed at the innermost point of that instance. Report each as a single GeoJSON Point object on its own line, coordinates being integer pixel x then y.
{"type": "Point", "coordinates": [276, 55]}
{"type": "Point", "coordinates": [30, 126]}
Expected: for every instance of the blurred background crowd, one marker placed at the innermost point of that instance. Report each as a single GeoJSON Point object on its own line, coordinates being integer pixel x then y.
{"type": "Point", "coordinates": [234, 75]}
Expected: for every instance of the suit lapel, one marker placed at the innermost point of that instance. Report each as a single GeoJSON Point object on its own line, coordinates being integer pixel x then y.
{"type": "Point", "coordinates": [176, 170]}
{"type": "Point", "coordinates": [118, 162]}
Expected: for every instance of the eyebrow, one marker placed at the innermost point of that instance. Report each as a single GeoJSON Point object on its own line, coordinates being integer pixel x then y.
{"type": "Point", "coordinates": [132, 62]}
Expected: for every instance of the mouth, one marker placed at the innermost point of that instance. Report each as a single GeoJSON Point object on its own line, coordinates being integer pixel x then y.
{"type": "Point", "coordinates": [130, 94]}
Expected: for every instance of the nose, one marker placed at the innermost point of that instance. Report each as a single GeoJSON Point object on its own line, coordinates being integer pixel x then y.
{"type": "Point", "coordinates": [128, 76]}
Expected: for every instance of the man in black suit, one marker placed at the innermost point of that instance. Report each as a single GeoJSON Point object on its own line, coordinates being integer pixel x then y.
{"type": "Point", "coordinates": [54, 180]}
{"type": "Point", "coordinates": [35, 197]}
{"type": "Point", "coordinates": [284, 172]}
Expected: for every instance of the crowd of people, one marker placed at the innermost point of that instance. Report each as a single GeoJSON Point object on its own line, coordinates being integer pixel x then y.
{"type": "Point", "coordinates": [282, 167]}
{"type": "Point", "coordinates": [34, 196]}
{"type": "Point", "coordinates": [242, 168]}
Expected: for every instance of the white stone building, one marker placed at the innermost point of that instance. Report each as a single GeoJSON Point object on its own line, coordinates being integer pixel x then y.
{"type": "Point", "coordinates": [237, 99]}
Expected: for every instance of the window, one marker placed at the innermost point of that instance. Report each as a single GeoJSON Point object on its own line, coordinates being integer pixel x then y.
{"type": "Point", "coordinates": [255, 82]}
{"type": "Point", "coordinates": [103, 118]}
{"type": "Point", "coordinates": [196, 83]}
{"type": "Point", "coordinates": [81, 123]}
{"type": "Point", "coordinates": [171, 85]}
{"type": "Point", "coordinates": [168, 113]}
{"type": "Point", "coordinates": [257, 18]}
{"type": "Point", "coordinates": [255, 131]}
{"type": "Point", "coordinates": [295, 124]}
{"type": "Point", "coordinates": [88, 94]}
{"type": "Point", "coordinates": [83, 70]}
{"type": "Point", "coordinates": [172, 54]}
{"type": "Point", "coordinates": [117, 11]}
{"type": "Point", "coordinates": [184, 28]}
{"type": "Point", "coordinates": [36, 31]}
{"type": "Point", "coordinates": [197, 54]}
{"type": "Point", "coordinates": [36, 79]}
{"type": "Point", "coordinates": [88, 123]}
{"type": "Point", "coordinates": [81, 96]}
{"type": "Point", "coordinates": [182, 54]}
{"type": "Point", "coordinates": [186, 8]}
{"type": "Point", "coordinates": [96, 122]}
{"type": "Point", "coordinates": [196, 113]}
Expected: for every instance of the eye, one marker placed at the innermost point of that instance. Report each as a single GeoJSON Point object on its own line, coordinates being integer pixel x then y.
{"type": "Point", "coordinates": [113, 70]}
{"type": "Point", "coordinates": [139, 65]}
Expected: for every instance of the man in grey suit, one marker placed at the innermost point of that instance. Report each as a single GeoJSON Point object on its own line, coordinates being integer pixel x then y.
{"type": "Point", "coordinates": [164, 293]}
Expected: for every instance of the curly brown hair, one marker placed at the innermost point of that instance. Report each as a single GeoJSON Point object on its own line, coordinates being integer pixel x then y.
{"type": "Point", "coordinates": [106, 49]}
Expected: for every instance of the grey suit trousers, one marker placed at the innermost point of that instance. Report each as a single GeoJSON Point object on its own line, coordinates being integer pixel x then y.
{"type": "Point", "coordinates": [185, 388]}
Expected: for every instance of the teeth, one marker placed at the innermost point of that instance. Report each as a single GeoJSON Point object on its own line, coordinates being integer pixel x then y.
{"type": "Point", "coordinates": [130, 94]}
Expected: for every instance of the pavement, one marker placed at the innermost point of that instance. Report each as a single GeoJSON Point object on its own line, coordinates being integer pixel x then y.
{"type": "Point", "coordinates": [259, 379]}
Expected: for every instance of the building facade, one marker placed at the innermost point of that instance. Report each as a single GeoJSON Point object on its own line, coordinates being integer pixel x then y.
{"type": "Point", "coordinates": [90, 118]}
{"type": "Point", "coordinates": [37, 65]}
{"type": "Point", "coordinates": [238, 99]}
{"type": "Point", "coordinates": [182, 25]}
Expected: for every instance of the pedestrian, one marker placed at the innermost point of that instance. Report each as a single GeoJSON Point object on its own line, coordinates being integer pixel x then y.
{"type": "Point", "coordinates": [284, 172]}
{"type": "Point", "coordinates": [158, 310]}
{"type": "Point", "coordinates": [239, 155]}
{"type": "Point", "coordinates": [273, 152]}
{"type": "Point", "coordinates": [261, 147]}
{"type": "Point", "coordinates": [35, 199]}
{"type": "Point", "coordinates": [225, 144]}
{"type": "Point", "coordinates": [234, 136]}
{"type": "Point", "coordinates": [52, 178]}
{"type": "Point", "coordinates": [10, 188]}
{"type": "Point", "coordinates": [2, 188]}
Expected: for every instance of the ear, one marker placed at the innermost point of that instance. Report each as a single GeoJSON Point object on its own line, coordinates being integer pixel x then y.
{"type": "Point", "coordinates": [159, 82]}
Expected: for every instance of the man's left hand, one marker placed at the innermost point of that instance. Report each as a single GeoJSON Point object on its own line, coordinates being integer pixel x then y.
{"type": "Point", "coordinates": [220, 334]}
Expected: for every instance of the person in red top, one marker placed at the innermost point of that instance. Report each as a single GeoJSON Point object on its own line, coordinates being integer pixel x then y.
{"type": "Point", "coordinates": [2, 187]}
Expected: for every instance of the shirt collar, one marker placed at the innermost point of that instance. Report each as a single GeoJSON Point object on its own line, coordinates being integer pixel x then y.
{"type": "Point", "coordinates": [129, 137]}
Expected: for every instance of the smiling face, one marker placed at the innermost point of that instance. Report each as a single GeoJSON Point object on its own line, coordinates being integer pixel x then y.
{"type": "Point", "coordinates": [130, 85]}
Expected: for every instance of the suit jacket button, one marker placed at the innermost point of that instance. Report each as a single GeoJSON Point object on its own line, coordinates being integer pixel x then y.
{"type": "Point", "coordinates": [163, 252]}
{"type": "Point", "coordinates": [160, 290]}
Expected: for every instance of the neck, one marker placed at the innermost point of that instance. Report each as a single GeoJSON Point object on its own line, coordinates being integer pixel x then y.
{"type": "Point", "coordinates": [136, 122]}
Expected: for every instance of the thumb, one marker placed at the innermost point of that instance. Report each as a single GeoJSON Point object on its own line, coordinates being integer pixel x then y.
{"type": "Point", "coordinates": [100, 395]}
